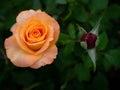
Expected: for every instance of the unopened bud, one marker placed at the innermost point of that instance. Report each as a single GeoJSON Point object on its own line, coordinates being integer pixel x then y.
{"type": "Point", "coordinates": [90, 39]}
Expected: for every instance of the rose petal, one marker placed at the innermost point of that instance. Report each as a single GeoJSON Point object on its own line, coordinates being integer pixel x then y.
{"type": "Point", "coordinates": [56, 33]}
{"type": "Point", "coordinates": [13, 28]}
{"type": "Point", "coordinates": [49, 38]}
{"type": "Point", "coordinates": [17, 56]}
{"type": "Point", "coordinates": [45, 18]}
{"type": "Point", "coordinates": [47, 58]}
{"type": "Point", "coordinates": [19, 40]}
{"type": "Point", "coordinates": [35, 43]}
{"type": "Point", "coordinates": [24, 15]}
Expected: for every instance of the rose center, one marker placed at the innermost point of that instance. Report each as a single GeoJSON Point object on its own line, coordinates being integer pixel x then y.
{"type": "Point", "coordinates": [35, 33]}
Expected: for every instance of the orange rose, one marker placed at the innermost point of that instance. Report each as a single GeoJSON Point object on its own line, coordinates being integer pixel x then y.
{"type": "Point", "coordinates": [33, 41]}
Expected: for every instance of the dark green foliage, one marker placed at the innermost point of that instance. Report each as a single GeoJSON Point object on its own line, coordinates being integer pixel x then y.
{"type": "Point", "coordinates": [73, 68]}
{"type": "Point", "coordinates": [113, 57]}
{"type": "Point", "coordinates": [103, 40]}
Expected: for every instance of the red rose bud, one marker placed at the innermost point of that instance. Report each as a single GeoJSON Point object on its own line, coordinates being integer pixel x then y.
{"type": "Point", "coordinates": [90, 39]}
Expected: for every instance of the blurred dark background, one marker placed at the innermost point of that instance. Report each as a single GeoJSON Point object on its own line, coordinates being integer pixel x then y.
{"type": "Point", "coordinates": [72, 69]}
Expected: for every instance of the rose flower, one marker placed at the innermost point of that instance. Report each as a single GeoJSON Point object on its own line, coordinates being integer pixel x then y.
{"type": "Point", "coordinates": [32, 43]}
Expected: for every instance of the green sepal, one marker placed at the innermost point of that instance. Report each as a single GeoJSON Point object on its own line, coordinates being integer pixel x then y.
{"type": "Point", "coordinates": [92, 54]}
{"type": "Point", "coordinates": [81, 32]}
{"type": "Point", "coordinates": [84, 45]}
{"type": "Point", "coordinates": [95, 29]}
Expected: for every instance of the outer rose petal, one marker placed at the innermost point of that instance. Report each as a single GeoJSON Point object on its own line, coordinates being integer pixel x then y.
{"type": "Point", "coordinates": [47, 58]}
{"type": "Point", "coordinates": [24, 15]}
{"type": "Point", "coordinates": [17, 56]}
{"type": "Point", "coordinates": [13, 28]}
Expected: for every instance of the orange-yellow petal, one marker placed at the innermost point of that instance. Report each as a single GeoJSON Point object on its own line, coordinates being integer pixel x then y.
{"type": "Point", "coordinates": [19, 40]}
{"type": "Point", "coordinates": [45, 18]}
{"type": "Point", "coordinates": [24, 15]}
{"type": "Point", "coordinates": [47, 58]}
{"type": "Point", "coordinates": [17, 56]}
{"type": "Point", "coordinates": [13, 28]}
{"type": "Point", "coordinates": [49, 38]}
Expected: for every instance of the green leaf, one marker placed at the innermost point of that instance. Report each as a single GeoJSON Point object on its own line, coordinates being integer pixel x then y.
{"type": "Point", "coordinates": [92, 54]}
{"type": "Point", "coordinates": [67, 15]}
{"type": "Point", "coordinates": [85, 1]}
{"type": "Point", "coordinates": [87, 61]}
{"type": "Point", "coordinates": [106, 64]}
{"type": "Point", "coordinates": [113, 12]}
{"type": "Point", "coordinates": [68, 76]}
{"type": "Point", "coordinates": [103, 41]}
{"type": "Point", "coordinates": [79, 13]}
{"type": "Point", "coordinates": [71, 1]}
{"type": "Point", "coordinates": [69, 48]}
{"type": "Point", "coordinates": [64, 60]}
{"type": "Point", "coordinates": [61, 2]}
{"type": "Point", "coordinates": [64, 39]}
{"type": "Point", "coordinates": [113, 57]}
{"type": "Point", "coordinates": [71, 31]}
{"type": "Point", "coordinates": [82, 73]}
{"type": "Point", "coordinates": [97, 5]}
{"type": "Point", "coordinates": [50, 5]}
{"type": "Point", "coordinates": [36, 4]}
